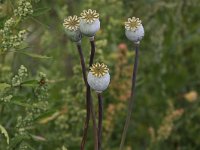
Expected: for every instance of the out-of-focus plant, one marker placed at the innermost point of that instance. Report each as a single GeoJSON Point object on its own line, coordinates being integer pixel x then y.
{"type": "Point", "coordinates": [23, 98]}
{"type": "Point", "coordinates": [166, 127]}
{"type": "Point", "coordinates": [11, 39]}
{"type": "Point", "coordinates": [16, 93]}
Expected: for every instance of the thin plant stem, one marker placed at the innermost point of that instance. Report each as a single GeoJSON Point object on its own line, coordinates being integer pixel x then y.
{"type": "Point", "coordinates": [82, 63]}
{"type": "Point", "coordinates": [93, 120]}
{"type": "Point", "coordinates": [92, 43]}
{"type": "Point", "coordinates": [86, 125]}
{"type": "Point", "coordinates": [131, 101]}
{"type": "Point", "coordinates": [89, 103]}
{"type": "Point", "coordinates": [89, 108]}
{"type": "Point", "coordinates": [100, 101]}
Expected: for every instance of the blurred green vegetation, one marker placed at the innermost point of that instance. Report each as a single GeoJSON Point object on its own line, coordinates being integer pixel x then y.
{"type": "Point", "coordinates": [46, 111]}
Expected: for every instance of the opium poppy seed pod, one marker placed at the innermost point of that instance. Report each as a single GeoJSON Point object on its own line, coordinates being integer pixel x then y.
{"type": "Point", "coordinates": [134, 30]}
{"type": "Point", "coordinates": [98, 77]}
{"type": "Point", "coordinates": [89, 22]}
{"type": "Point", "coordinates": [71, 25]}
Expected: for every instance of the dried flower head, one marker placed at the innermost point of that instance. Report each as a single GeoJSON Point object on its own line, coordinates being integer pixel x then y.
{"type": "Point", "coordinates": [89, 15]}
{"type": "Point", "coordinates": [98, 77]}
{"type": "Point", "coordinates": [99, 70]}
{"type": "Point", "coordinates": [71, 23]}
{"type": "Point", "coordinates": [132, 23]}
{"type": "Point", "coordinates": [134, 30]}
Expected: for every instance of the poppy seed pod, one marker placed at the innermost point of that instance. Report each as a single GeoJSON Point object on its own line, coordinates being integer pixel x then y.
{"type": "Point", "coordinates": [98, 77]}
{"type": "Point", "coordinates": [89, 22]}
{"type": "Point", "coordinates": [134, 30]}
{"type": "Point", "coordinates": [71, 25]}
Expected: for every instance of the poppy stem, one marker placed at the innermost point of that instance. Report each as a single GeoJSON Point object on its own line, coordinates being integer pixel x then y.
{"type": "Point", "coordinates": [89, 103]}
{"type": "Point", "coordinates": [100, 101]}
{"type": "Point", "coordinates": [92, 43]}
{"type": "Point", "coordinates": [131, 101]}
{"type": "Point", "coordinates": [86, 125]}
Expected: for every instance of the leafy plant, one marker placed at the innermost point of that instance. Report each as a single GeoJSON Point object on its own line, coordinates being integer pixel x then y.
{"type": "Point", "coordinates": [49, 114]}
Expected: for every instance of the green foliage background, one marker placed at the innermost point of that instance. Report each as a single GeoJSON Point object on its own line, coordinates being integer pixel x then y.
{"type": "Point", "coordinates": [46, 111]}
